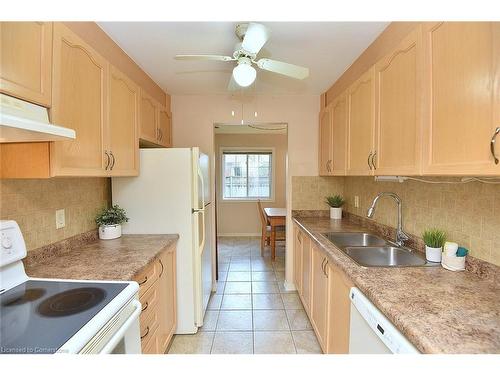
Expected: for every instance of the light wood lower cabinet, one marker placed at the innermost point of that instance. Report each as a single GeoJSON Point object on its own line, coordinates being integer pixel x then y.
{"type": "Point", "coordinates": [324, 291]}
{"type": "Point", "coordinates": [26, 61]}
{"type": "Point", "coordinates": [157, 294]}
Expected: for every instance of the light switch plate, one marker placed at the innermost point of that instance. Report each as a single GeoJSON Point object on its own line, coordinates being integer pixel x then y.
{"type": "Point", "coordinates": [356, 201]}
{"type": "Point", "coordinates": [60, 219]}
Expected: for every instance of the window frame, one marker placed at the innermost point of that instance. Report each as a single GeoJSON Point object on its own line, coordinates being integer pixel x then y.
{"type": "Point", "coordinates": [240, 149]}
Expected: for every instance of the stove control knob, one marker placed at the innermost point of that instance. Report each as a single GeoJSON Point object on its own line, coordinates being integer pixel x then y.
{"type": "Point", "coordinates": [6, 242]}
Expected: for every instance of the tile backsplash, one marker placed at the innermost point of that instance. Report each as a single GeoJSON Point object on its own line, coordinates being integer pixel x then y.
{"type": "Point", "coordinates": [469, 213]}
{"type": "Point", "coordinates": [32, 203]}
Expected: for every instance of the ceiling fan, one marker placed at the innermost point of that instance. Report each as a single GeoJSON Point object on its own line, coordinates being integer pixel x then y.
{"type": "Point", "coordinates": [253, 36]}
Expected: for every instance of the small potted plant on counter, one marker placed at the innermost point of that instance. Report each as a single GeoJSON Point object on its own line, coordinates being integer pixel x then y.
{"type": "Point", "coordinates": [434, 241]}
{"type": "Point", "coordinates": [110, 222]}
{"type": "Point", "coordinates": [335, 202]}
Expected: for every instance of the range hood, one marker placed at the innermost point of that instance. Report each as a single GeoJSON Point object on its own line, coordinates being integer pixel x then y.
{"type": "Point", "coordinates": [21, 121]}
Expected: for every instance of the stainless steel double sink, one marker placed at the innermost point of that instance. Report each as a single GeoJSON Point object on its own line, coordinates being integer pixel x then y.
{"type": "Point", "coordinates": [372, 251]}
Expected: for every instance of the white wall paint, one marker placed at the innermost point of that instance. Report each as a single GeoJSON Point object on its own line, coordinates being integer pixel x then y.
{"type": "Point", "coordinates": [193, 118]}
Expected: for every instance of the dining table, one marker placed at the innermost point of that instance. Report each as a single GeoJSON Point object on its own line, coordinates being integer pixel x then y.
{"type": "Point", "coordinates": [276, 217]}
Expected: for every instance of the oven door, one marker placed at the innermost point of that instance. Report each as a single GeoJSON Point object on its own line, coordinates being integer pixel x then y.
{"type": "Point", "coordinates": [121, 335]}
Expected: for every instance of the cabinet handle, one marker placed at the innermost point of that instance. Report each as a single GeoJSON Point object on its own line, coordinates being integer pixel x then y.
{"type": "Point", "coordinates": [492, 144]}
{"type": "Point", "coordinates": [322, 264]}
{"type": "Point", "coordinates": [368, 160]}
{"type": "Point", "coordinates": [161, 135]}
{"type": "Point", "coordinates": [113, 160]}
{"type": "Point", "coordinates": [329, 165]}
{"type": "Point", "coordinates": [108, 160]}
{"type": "Point", "coordinates": [145, 307]}
{"type": "Point", "coordinates": [143, 281]}
{"type": "Point", "coordinates": [147, 331]}
{"type": "Point", "coordinates": [162, 268]}
{"type": "Point", "coordinates": [373, 160]}
{"type": "Point", "coordinates": [324, 268]}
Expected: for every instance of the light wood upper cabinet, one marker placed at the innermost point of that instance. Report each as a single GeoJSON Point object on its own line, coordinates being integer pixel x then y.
{"type": "Point", "coordinates": [319, 300]}
{"type": "Point", "coordinates": [339, 135]}
{"type": "Point", "coordinates": [122, 135]}
{"type": "Point", "coordinates": [462, 97]}
{"type": "Point", "coordinates": [361, 120]}
{"type": "Point", "coordinates": [325, 141]}
{"type": "Point", "coordinates": [339, 310]}
{"type": "Point", "coordinates": [148, 118]}
{"type": "Point", "coordinates": [398, 81]}
{"type": "Point", "coordinates": [26, 60]}
{"type": "Point", "coordinates": [79, 88]}
{"type": "Point", "coordinates": [164, 127]}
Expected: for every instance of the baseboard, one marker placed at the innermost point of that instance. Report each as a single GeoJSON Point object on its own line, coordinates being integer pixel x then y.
{"type": "Point", "coordinates": [289, 287]}
{"type": "Point", "coordinates": [238, 235]}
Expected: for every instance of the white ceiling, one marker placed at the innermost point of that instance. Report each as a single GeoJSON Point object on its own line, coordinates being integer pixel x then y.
{"type": "Point", "coordinates": [327, 48]}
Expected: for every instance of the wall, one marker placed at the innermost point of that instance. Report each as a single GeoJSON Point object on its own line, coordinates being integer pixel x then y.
{"type": "Point", "coordinates": [309, 192]}
{"type": "Point", "coordinates": [32, 203]}
{"type": "Point", "coordinates": [242, 217]}
{"type": "Point", "coordinates": [194, 116]}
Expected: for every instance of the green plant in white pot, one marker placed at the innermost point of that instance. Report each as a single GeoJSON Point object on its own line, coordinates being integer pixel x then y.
{"type": "Point", "coordinates": [110, 222]}
{"type": "Point", "coordinates": [434, 241]}
{"type": "Point", "coordinates": [335, 202]}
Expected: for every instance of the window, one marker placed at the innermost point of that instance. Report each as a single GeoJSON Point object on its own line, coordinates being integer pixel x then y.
{"type": "Point", "coordinates": [247, 175]}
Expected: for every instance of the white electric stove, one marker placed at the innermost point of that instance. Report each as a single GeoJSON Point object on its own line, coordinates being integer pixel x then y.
{"type": "Point", "coordinates": [41, 316]}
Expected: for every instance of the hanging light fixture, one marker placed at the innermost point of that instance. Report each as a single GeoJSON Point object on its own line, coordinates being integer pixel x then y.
{"type": "Point", "coordinates": [244, 73]}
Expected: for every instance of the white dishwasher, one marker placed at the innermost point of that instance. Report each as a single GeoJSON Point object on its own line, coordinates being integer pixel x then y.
{"type": "Point", "coordinates": [371, 332]}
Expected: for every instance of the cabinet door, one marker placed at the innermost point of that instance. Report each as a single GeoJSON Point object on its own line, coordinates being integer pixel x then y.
{"type": "Point", "coordinates": [319, 301]}
{"type": "Point", "coordinates": [167, 302]}
{"type": "Point", "coordinates": [79, 88]}
{"type": "Point", "coordinates": [164, 127]}
{"type": "Point", "coordinates": [148, 118]}
{"type": "Point", "coordinates": [339, 311]}
{"type": "Point", "coordinates": [398, 108]}
{"type": "Point", "coordinates": [26, 60]}
{"type": "Point", "coordinates": [306, 273]}
{"type": "Point", "coordinates": [325, 142]}
{"type": "Point", "coordinates": [297, 258]}
{"type": "Point", "coordinates": [123, 139]}
{"type": "Point", "coordinates": [361, 98]}
{"type": "Point", "coordinates": [339, 135]}
{"type": "Point", "coordinates": [462, 97]}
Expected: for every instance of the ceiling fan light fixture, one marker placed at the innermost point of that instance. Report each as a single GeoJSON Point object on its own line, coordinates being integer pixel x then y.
{"type": "Point", "coordinates": [244, 74]}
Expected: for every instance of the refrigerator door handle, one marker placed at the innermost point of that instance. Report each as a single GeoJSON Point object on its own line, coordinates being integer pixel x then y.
{"type": "Point", "coordinates": [200, 176]}
{"type": "Point", "coordinates": [202, 245]}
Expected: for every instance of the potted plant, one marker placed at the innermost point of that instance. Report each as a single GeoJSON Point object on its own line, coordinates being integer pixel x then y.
{"type": "Point", "coordinates": [110, 222]}
{"type": "Point", "coordinates": [434, 241]}
{"type": "Point", "coordinates": [335, 202]}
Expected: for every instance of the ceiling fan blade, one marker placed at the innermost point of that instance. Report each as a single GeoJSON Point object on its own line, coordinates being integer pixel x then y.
{"type": "Point", "coordinates": [284, 68]}
{"type": "Point", "coordinates": [204, 57]}
{"type": "Point", "coordinates": [255, 37]}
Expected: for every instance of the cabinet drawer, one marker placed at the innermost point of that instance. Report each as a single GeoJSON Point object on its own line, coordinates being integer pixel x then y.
{"type": "Point", "coordinates": [149, 344]}
{"type": "Point", "coordinates": [147, 276]}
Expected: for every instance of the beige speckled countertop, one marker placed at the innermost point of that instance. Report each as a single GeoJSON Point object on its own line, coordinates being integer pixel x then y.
{"type": "Point", "coordinates": [119, 259]}
{"type": "Point", "coordinates": [439, 311]}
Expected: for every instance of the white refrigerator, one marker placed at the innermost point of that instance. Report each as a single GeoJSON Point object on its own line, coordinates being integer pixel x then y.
{"type": "Point", "coordinates": [172, 195]}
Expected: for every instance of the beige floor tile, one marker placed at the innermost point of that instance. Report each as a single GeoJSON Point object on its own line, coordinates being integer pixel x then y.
{"type": "Point", "coordinates": [267, 302]}
{"type": "Point", "coordinates": [199, 343]}
{"type": "Point", "coordinates": [223, 267]}
{"type": "Point", "coordinates": [306, 342]}
{"type": "Point", "coordinates": [233, 343]}
{"type": "Point", "coordinates": [281, 285]}
{"type": "Point", "coordinates": [239, 267]}
{"type": "Point", "coordinates": [292, 301]}
{"type": "Point", "coordinates": [263, 276]}
{"type": "Point", "coordinates": [215, 302]}
{"type": "Point", "coordinates": [235, 320]}
{"type": "Point", "coordinates": [236, 302]}
{"type": "Point", "coordinates": [260, 265]}
{"type": "Point", "coordinates": [222, 276]}
{"type": "Point", "coordinates": [270, 320]}
{"type": "Point", "coordinates": [239, 258]}
{"type": "Point", "coordinates": [298, 320]}
{"type": "Point", "coordinates": [273, 343]}
{"type": "Point", "coordinates": [259, 287]}
{"type": "Point", "coordinates": [238, 287]}
{"type": "Point", "coordinates": [210, 320]}
{"type": "Point", "coordinates": [280, 275]}
{"type": "Point", "coordinates": [220, 287]}
{"type": "Point", "coordinates": [239, 276]}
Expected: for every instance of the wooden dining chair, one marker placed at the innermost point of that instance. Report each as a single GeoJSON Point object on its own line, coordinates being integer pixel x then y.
{"type": "Point", "coordinates": [266, 229]}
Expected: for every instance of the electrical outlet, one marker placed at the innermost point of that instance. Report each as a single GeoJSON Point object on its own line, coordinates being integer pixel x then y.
{"type": "Point", "coordinates": [60, 219]}
{"type": "Point", "coordinates": [356, 201]}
